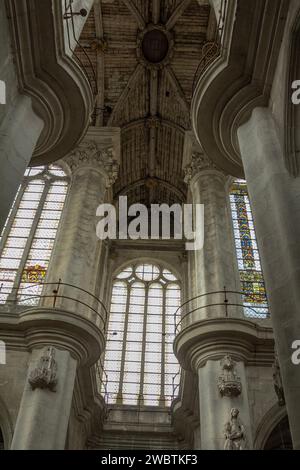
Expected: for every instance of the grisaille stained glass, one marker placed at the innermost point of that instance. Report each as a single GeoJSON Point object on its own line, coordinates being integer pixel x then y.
{"type": "Point", "coordinates": [29, 233]}
{"type": "Point", "coordinates": [253, 286]}
{"type": "Point", "coordinates": [139, 360]}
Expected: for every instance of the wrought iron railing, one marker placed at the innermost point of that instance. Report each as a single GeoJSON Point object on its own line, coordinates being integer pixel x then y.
{"type": "Point", "coordinates": [21, 296]}
{"type": "Point", "coordinates": [186, 314]}
{"type": "Point", "coordinates": [176, 386]}
{"type": "Point", "coordinates": [212, 49]}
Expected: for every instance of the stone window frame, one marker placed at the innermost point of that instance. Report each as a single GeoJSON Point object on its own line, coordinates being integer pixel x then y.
{"type": "Point", "coordinates": [49, 176]}
{"type": "Point", "coordinates": [115, 388]}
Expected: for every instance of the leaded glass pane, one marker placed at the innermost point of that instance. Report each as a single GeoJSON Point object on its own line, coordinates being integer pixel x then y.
{"type": "Point", "coordinates": [141, 331]}
{"type": "Point", "coordinates": [253, 286]}
{"type": "Point", "coordinates": [26, 249]}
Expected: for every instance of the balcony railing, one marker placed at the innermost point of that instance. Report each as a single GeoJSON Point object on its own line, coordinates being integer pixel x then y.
{"type": "Point", "coordinates": [52, 293]}
{"type": "Point", "coordinates": [224, 303]}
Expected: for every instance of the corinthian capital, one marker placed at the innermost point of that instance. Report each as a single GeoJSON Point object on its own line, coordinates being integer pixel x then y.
{"type": "Point", "coordinates": [198, 163]}
{"type": "Point", "coordinates": [99, 151]}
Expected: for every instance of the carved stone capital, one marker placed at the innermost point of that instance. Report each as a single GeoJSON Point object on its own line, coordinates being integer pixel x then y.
{"type": "Point", "coordinates": [88, 155]}
{"type": "Point", "coordinates": [199, 162]}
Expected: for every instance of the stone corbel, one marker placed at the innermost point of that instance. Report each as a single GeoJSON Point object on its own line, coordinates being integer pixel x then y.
{"type": "Point", "coordinates": [44, 375]}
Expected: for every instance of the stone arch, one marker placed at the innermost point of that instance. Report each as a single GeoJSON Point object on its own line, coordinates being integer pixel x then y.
{"type": "Point", "coordinates": [269, 423]}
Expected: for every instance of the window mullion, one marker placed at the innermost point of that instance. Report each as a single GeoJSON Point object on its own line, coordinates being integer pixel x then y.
{"type": "Point", "coordinates": [143, 355]}
{"type": "Point", "coordinates": [163, 349]}
{"type": "Point", "coordinates": [120, 391]}
{"type": "Point", "coordinates": [27, 248]}
{"type": "Point", "coordinates": [11, 218]}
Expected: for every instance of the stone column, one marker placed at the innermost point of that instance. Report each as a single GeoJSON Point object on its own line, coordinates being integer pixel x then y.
{"type": "Point", "coordinates": [220, 391]}
{"type": "Point", "coordinates": [61, 345]}
{"type": "Point", "coordinates": [275, 198]}
{"type": "Point", "coordinates": [215, 266]}
{"type": "Point", "coordinates": [217, 351]}
{"type": "Point", "coordinates": [77, 252]}
{"type": "Point", "coordinates": [46, 403]}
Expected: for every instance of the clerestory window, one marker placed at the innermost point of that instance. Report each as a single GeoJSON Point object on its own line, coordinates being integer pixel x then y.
{"type": "Point", "coordinates": [139, 361]}
{"type": "Point", "coordinates": [251, 275]}
{"type": "Point", "coordinates": [29, 233]}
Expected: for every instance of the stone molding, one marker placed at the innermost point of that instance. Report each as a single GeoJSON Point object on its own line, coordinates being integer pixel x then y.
{"type": "Point", "coordinates": [41, 327]}
{"type": "Point", "coordinates": [212, 339]}
{"type": "Point", "coordinates": [40, 54]}
{"type": "Point", "coordinates": [230, 88]}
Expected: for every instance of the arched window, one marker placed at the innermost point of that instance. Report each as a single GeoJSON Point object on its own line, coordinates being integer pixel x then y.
{"type": "Point", "coordinates": [29, 233]}
{"type": "Point", "coordinates": [139, 361]}
{"type": "Point", "coordinates": [252, 281]}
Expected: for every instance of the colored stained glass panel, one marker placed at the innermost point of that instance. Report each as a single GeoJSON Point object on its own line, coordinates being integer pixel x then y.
{"type": "Point", "coordinates": [253, 286]}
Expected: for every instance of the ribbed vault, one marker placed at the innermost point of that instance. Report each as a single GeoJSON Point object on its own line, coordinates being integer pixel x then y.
{"type": "Point", "coordinates": [149, 101]}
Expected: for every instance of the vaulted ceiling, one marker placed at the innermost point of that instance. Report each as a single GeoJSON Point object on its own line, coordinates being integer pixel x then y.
{"type": "Point", "coordinates": [144, 56]}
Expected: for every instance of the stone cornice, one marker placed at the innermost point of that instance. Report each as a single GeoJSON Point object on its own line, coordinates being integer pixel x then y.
{"type": "Point", "coordinates": [239, 80]}
{"type": "Point", "coordinates": [64, 103]}
{"type": "Point", "coordinates": [244, 340]}
{"type": "Point", "coordinates": [40, 327]}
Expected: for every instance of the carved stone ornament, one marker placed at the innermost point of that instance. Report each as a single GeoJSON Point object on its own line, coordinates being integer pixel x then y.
{"type": "Point", "coordinates": [44, 375]}
{"type": "Point", "coordinates": [198, 163]}
{"type": "Point", "coordinates": [278, 386]}
{"type": "Point", "coordinates": [234, 432]}
{"type": "Point", "coordinates": [88, 154]}
{"type": "Point", "coordinates": [229, 383]}
{"type": "Point", "coordinates": [155, 46]}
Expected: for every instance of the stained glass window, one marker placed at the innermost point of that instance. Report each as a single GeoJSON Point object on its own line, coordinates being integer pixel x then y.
{"type": "Point", "coordinates": [139, 361]}
{"type": "Point", "coordinates": [251, 275]}
{"type": "Point", "coordinates": [29, 233]}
